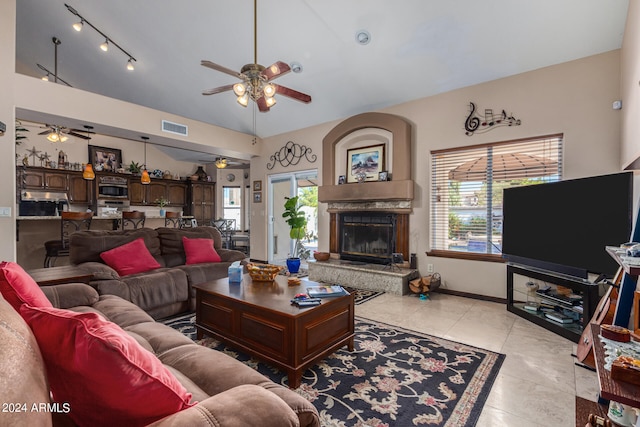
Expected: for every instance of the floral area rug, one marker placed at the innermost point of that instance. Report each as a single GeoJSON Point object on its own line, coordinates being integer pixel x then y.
{"type": "Point", "coordinates": [394, 377]}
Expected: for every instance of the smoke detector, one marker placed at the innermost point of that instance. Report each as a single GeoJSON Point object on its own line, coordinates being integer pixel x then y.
{"type": "Point", "coordinates": [363, 37]}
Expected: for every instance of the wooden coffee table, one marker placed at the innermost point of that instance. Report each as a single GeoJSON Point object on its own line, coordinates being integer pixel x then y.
{"type": "Point", "coordinates": [259, 319]}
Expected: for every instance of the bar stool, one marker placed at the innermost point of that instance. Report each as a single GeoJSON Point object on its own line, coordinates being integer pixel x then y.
{"type": "Point", "coordinates": [70, 223]}
{"type": "Point", "coordinates": [173, 219]}
{"type": "Point", "coordinates": [133, 219]}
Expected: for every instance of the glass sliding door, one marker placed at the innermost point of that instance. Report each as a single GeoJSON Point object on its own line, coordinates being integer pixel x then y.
{"type": "Point", "coordinates": [302, 184]}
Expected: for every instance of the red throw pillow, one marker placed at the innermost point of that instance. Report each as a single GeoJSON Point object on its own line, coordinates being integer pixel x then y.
{"type": "Point", "coordinates": [130, 258]}
{"type": "Point", "coordinates": [200, 250]}
{"type": "Point", "coordinates": [105, 376]}
{"type": "Point", "coordinates": [18, 288]}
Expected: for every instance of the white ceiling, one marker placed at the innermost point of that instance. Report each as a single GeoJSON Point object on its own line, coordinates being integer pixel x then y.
{"type": "Point", "coordinates": [418, 48]}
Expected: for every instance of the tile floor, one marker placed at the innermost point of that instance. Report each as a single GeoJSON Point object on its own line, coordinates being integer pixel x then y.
{"type": "Point", "coordinates": [538, 381]}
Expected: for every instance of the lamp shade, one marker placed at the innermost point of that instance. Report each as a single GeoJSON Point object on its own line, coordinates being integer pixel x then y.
{"type": "Point", "coordinates": [145, 178]}
{"type": "Point", "coordinates": [88, 172]}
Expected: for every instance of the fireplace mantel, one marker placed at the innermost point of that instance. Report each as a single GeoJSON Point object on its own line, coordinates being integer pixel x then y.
{"type": "Point", "coordinates": [367, 191]}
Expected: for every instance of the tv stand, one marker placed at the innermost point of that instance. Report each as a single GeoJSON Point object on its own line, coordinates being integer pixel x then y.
{"type": "Point", "coordinates": [518, 295]}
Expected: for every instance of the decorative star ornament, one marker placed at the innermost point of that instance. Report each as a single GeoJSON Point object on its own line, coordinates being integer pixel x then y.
{"type": "Point", "coordinates": [34, 153]}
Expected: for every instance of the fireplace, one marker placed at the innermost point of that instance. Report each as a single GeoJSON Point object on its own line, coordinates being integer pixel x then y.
{"type": "Point", "coordinates": [367, 236]}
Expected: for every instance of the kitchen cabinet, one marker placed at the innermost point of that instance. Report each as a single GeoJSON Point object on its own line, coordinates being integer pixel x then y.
{"type": "Point", "coordinates": [44, 179]}
{"type": "Point", "coordinates": [174, 191]}
{"type": "Point", "coordinates": [201, 201]}
{"type": "Point", "coordinates": [79, 189]}
{"type": "Point", "coordinates": [177, 193]}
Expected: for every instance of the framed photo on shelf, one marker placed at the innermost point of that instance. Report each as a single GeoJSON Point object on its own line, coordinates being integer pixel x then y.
{"type": "Point", "coordinates": [257, 185]}
{"type": "Point", "coordinates": [105, 159]}
{"type": "Point", "coordinates": [383, 176]}
{"type": "Point", "coordinates": [367, 160]}
{"type": "Point", "coordinates": [341, 179]}
{"type": "Point", "coordinates": [257, 197]}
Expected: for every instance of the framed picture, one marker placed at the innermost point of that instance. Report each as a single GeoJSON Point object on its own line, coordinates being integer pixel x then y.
{"type": "Point", "coordinates": [257, 185]}
{"type": "Point", "coordinates": [257, 197]}
{"type": "Point", "coordinates": [105, 159]}
{"type": "Point", "coordinates": [342, 179]}
{"type": "Point", "coordinates": [383, 176]}
{"type": "Point", "coordinates": [367, 160]}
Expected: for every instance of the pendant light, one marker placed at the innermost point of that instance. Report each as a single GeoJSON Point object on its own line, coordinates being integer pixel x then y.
{"type": "Point", "coordinates": [88, 173]}
{"type": "Point", "coordinates": [145, 178]}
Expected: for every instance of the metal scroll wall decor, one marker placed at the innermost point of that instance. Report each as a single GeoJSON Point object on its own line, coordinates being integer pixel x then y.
{"type": "Point", "coordinates": [291, 154]}
{"type": "Point", "coordinates": [478, 124]}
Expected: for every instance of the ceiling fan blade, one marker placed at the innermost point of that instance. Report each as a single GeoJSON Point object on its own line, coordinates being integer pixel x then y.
{"type": "Point", "coordinates": [220, 68]}
{"type": "Point", "coordinates": [72, 133]}
{"type": "Point", "coordinates": [298, 96]}
{"type": "Point", "coordinates": [217, 90]}
{"type": "Point", "coordinates": [276, 70]}
{"type": "Point", "coordinates": [262, 104]}
{"type": "Point", "coordinates": [45, 132]}
{"type": "Point", "coordinates": [84, 131]}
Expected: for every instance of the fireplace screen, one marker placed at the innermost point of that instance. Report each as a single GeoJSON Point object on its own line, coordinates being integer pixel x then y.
{"type": "Point", "coordinates": [367, 236]}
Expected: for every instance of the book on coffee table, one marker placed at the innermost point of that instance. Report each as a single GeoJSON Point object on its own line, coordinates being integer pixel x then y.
{"type": "Point", "coordinates": [326, 291]}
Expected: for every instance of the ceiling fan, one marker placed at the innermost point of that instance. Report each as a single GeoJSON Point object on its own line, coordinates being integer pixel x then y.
{"type": "Point", "coordinates": [58, 133]}
{"type": "Point", "coordinates": [256, 79]}
{"type": "Point", "coordinates": [222, 162]}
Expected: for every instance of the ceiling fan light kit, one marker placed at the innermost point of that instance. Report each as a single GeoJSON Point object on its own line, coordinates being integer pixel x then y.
{"type": "Point", "coordinates": [256, 79]}
{"type": "Point", "coordinates": [221, 163]}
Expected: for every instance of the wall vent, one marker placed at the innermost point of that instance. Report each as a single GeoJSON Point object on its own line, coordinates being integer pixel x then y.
{"type": "Point", "coordinates": [174, 128]}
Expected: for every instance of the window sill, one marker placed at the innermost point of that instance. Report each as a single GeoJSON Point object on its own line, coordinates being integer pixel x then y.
{"type": "Point", "coordinates": [466, 255]}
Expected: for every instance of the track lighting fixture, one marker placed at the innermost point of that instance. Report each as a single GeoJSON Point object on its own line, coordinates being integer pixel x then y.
{"type": "Point", "coordinates": [108, 41]}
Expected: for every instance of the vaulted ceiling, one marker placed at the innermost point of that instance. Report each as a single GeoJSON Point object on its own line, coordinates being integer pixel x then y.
{"type": "Point", "coordinates": [417, 48]}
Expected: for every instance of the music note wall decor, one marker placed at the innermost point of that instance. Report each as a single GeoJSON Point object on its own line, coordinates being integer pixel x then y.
{"type": "Point", "coordinates": [478, 124]}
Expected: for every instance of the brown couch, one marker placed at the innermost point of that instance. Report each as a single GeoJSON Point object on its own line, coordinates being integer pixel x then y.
{"type": "Point", "coordinates": [161, 292]}
{"type": "Point", "coordinates": [229, 393]}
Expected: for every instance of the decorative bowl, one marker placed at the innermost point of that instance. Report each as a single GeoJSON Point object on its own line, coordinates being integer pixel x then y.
{"type": "Point", "coordinates": [263, 272]}
{"type": "Point", "coordinates": [321, 256]}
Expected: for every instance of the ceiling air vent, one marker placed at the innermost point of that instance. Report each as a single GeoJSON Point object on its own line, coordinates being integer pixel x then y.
{"type": "Point", "coordinates": [174, 128]}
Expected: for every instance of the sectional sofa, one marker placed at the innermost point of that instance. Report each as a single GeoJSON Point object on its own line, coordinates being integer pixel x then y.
{"type": "Point", "coordinates": [167, 263]}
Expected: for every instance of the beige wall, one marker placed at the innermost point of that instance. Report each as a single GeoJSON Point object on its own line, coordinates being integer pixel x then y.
{"type": "Point", "coordinates": [630, 88]}
{"type": "Point", "coordinates": [572, 98]}
{"type": "Point", "coordinates": [7, 156]}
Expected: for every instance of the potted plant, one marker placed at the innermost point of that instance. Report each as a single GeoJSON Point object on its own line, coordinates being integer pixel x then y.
{"type": "Point", "coordinates": [135, 168]}
{"type": "Point", "coordinates": [297, 221]}
{"type": "Point", "coordinates": [162, 202]}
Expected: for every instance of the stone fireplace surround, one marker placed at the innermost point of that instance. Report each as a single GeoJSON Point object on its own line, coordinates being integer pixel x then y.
{"type": "Point", "coordinates": [394, 196]}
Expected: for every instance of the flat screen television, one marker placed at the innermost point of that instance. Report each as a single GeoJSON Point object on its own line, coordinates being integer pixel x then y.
{"type": "Point", "coordinates": [564, 226]}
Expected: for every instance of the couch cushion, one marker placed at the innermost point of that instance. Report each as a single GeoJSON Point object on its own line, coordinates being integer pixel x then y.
{"type": "Point", "coordinates": [130, 258]}
{"type": "Point", "coordinates": [18, 287]}
{"type": "Point", "coordinates": [99, 369]}
{"type": "Point", "coordinates": [198, 251]}
{"type": "Point", "coordinates": [86, 246]}
{"type": "Point", "coordinates": [23, 379]}
{"type": "Point", "coordinates": [173, 248]}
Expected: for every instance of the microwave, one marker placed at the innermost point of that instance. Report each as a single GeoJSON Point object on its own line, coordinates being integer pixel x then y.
{"type": "Point", "coordinates": [113, 187]}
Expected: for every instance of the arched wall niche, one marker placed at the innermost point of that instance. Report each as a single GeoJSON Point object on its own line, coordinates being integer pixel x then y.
{"type": "Point", "coordinates": [394, 132]}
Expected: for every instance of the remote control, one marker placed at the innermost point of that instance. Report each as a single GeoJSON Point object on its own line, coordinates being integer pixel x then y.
{"type": "Point", "coordinates": [307, 303]}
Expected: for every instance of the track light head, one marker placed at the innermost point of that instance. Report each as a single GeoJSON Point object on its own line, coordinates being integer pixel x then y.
{"type": "Point", "coordinates": [105, 46]}
{"type": "Point", "coordinates": [130, 66]}
{"type": "Point", "coordinates": [78, 25]}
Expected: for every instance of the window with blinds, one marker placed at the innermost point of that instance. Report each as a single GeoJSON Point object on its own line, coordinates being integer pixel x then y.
{"type": "Point", "coordinates": [467, 184]}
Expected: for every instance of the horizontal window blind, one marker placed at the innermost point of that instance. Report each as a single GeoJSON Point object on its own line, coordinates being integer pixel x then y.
{"type": "Point", "coordinates": [467, 184]}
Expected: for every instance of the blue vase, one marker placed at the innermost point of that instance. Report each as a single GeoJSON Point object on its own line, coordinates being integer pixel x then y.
{"type": "Point", "coordinates": [162, 212]}
{"type": "Point", "coordinates": [293, 265]}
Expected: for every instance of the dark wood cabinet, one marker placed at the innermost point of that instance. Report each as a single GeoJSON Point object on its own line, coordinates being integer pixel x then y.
{"type": "Point", "coordinates": [137, 191]}
{"type": "Point", "coordinates": [44, 179]}
{"type": "Point", "coordinates": [201, 201]}
{"type": "Point", "coordinates": [79, 189]}
{"type": "Point", "coordinates": [177, 194]}
{"type": "Point", "coordinates": [174, 191]}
